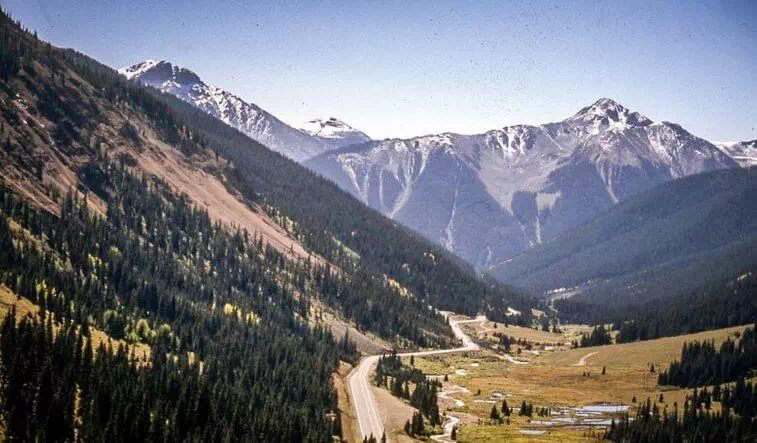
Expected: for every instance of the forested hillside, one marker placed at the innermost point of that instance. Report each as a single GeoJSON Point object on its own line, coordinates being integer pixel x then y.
{"type": "Point", "coordinates": [702, 365]}
{"type": "Point", "coordinates": [327, 216]}
{"type": "Point", "coordinates": [667, 241]}
{"type": "Point", "coordinates": [231, 358]}
{"type": "Point", "coordinates": [719, 304]}
{"type": "Point", "coordinates": [318, 215]}
{"type": "Point", "coordinates": [106, 224]}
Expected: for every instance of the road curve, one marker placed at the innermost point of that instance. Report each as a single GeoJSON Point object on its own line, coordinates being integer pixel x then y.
{"type": "Point", "coordinates": [366, 409]}
{"type": "Point", "coordinates": [582, 362]}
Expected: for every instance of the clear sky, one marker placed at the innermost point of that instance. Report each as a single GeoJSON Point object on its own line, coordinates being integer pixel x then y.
{"type": "Point", "coordinates": [411, 68]}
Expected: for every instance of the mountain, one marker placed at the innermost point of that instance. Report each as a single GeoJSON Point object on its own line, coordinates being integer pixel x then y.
{"type": "Point", "coordinates": [66, 119]}
{"type": "Point", "coordinates": [669, 240]}
{"type": "Point", "coordinates": [334, 132]}
{"type": "Point", "coordinates": [192, 276]}
{"type": "Point", "coordinates": [745, 153]}
{"type": "Point", "coordinates": [488, 197]}
{"type": "Point", "coordinates": [248, 118]}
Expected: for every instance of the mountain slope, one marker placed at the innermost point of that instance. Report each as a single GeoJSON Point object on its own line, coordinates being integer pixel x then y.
{"type": "Point", "coordinates": [246, 117]}
{"type": "Point", "coordinates": [490, 196]}
{"type": "Point", "coordinates": [673, 238]}
{"type": "Point", "coordinates": [340, 228]}
{"type": "Point", "coordinates": [104, 229]}
{"type": "Point", "coordinates": [128, 210]}
{"type": "Point", "coordinates": [63, 110]}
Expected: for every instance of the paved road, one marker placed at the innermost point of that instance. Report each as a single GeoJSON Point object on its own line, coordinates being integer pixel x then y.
{"type": "Point", "coordinates": [368, 416]}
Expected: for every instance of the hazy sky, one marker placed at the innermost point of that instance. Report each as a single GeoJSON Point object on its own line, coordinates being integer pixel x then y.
{"type": "Point", "coordinates": [410, 68]}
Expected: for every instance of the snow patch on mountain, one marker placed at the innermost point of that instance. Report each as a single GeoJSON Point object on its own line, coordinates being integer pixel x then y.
{"type": "Point", "coordinates": [745, 153]}
{"type": "Point", "coordinates": [333, 128]}
{"type": "Point", "coordinates": [138, 69]}
{"type": "Point", "coordinates": [490, 196]}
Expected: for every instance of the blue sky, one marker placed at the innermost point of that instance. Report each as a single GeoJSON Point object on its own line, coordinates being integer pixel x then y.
{"type": "Point", "coordinates": [412, 68]}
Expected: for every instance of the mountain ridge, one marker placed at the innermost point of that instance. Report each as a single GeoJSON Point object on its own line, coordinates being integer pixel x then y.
{"type": "Point", "coordinates": [249, 118]}
{"type": "Point", "coordinates": [490, 196]}
{"type": "Point", "coordinates": [332, 128]}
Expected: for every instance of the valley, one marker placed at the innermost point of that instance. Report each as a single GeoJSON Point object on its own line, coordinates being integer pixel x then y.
{"type": "Point", "coordinates": [179, 263]}
{"type": "Point", "coordinates": [584, 389]}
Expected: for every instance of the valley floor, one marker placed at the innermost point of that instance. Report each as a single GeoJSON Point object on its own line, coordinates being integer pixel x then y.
{"type": "Point", "coordinates": [569, 382]}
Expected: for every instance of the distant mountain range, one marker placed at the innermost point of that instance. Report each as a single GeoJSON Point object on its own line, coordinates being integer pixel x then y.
{"type": "Point", "coordinates": [488, 197]}
{"type": "Point", "coordinates": [319, 135]}
{"type": "Point", "coordinates": [743, 152]}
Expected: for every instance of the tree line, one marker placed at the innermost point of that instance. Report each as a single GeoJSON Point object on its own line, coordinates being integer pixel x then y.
{"type": "Point", "coordinates": [701, 365]}
{"type": "Point", "coordinates": [694, 423]}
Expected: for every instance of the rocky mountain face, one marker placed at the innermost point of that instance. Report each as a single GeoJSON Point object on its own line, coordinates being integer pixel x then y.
{"type": "Point", "coordinates": [488, 197]}
{"type": "Point", "coordinates": [250, 119]}
{"type": "Point", "coordinates": [485, 197]}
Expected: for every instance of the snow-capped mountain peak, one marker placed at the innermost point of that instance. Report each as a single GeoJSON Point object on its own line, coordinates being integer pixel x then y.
{"type": "Point", "coordinates": [162, 74]}
{"type": "Point", "coordinates": [140, 68]}
{"type": "Point", "coordinates": [745, 153]}
{"type": "Point", "coordinates": [332, 130]}
{"type": "Point", "coordinates": [606, 113]}
{"type": "Point", "coordinates": [248, 118]}
{"type": "Point", "coordinates": [326, 127]}
{"type": "Point", "coordinates": [488, 197]}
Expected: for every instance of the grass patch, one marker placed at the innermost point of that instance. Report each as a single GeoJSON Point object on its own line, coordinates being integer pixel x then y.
{"type": "Point", "coordinates": [554, 380]}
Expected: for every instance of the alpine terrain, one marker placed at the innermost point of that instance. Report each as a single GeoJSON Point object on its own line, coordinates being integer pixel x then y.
{"type": "Point", "coordinates": [319, 135]}
{"type": "Point", "coordinates": [334, 132]}
{"type": "Point", "coordinates": [164, 276]}
{"type": "Point", "coordinates": [665, 242]}
{"type": "Point", "coordinates": [178, 264]}
{"type": "Point", "coordinates": [488, 197]}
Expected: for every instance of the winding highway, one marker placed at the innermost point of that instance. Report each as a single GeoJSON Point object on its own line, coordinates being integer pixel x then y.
{"type": "Point", "coordinates": [366, 408]}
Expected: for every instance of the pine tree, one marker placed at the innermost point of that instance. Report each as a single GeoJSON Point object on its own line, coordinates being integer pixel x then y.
{"type": "Point", "coordinates": [494, 414]}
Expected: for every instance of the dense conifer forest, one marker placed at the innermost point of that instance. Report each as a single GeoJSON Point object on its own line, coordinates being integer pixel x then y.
{"type": "Point", "coordinates": [157, 271]}
{"type": "Point", "coordinates": [693, 423]}
{"type": "Point", "coordinates": [599, 336]}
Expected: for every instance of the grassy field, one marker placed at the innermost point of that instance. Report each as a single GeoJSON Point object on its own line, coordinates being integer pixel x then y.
{"type": "Point", "coordinates": [512, 433]}
{"type": "Point", "coordinates": [488, 328]}
{"type": "Point", "coordinates": [557, 379]}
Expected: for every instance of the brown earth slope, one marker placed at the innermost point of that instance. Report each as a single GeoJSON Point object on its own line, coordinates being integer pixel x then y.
{"type": "Point", "coordinates": [44, 152]}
